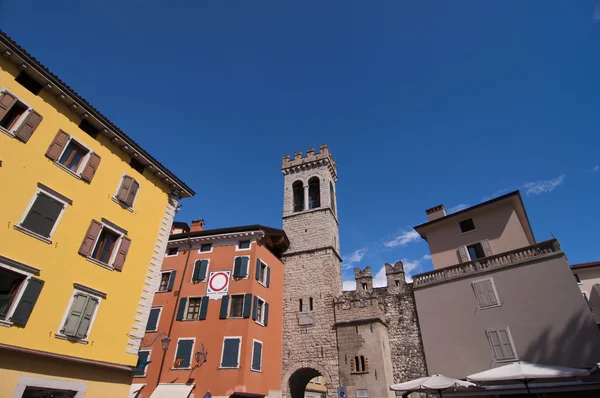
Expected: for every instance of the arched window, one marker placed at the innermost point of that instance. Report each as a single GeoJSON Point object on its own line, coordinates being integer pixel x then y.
{"type": "Point", "coordinates": [314, 193]}
{"type": "Point", "coordinates": [298, 189]}
{"type": "Point", "coordinates": [331, 197]}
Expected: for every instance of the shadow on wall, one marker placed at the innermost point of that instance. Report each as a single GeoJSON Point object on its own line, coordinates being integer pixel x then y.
{"type": "Point", "coordinates": [50, 367]}
{"type": "Point", "coordinates": [577, 345]}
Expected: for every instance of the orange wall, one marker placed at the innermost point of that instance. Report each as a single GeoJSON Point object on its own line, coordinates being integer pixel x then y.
{"type": "Point", "coordinates": [211, 331]}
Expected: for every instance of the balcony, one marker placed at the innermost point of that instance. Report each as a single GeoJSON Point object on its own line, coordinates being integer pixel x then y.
{"type": "Point", "coordinates": [502, 260]}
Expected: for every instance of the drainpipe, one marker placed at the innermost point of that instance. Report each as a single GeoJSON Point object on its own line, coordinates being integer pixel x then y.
{"type": "Point", "coordinates": [187, 259]}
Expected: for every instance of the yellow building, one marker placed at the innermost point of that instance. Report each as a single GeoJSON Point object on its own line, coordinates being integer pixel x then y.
{"type": "Point", "coordinates": [85, 220]}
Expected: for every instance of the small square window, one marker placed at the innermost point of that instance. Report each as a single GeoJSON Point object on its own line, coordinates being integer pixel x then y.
{"type": "Point", "coordinates": [466, 225]}
{"type": "Point", "coordinates": [244, 244]}
{"type": "Point", "coordinates": [206, 247]}
{"type": "Point", "coordinates": [137, 166]}
{"type": "Point", "coordinates": [172, 251]}
{"type": "Point", "coordinates": [29, 82]}
{"type": "Point", "coordinates": [89, 128]}
{"type": "Point", "coordinates": [72, 156]}
{"type": "Point", "coordinates": [105, 246]}
{"type": "Point", "coordinates": [236, 306]}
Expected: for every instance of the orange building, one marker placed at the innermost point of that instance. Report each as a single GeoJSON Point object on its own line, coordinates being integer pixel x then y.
{"type": "Point", "coordinates": [216, 320]}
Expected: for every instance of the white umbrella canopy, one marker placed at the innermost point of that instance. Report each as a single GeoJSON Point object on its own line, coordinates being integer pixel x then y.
{"type": "Point", "coordinates": [435, 382]}
{"type": "Point", "coordinates": [527, 371]}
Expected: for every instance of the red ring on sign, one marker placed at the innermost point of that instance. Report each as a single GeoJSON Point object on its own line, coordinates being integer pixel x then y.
{"type": "Point", "coordinates": [214, 289]}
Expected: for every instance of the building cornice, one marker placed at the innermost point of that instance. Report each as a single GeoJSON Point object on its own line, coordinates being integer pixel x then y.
{"type": "Point", "coordinates": [216, 238]}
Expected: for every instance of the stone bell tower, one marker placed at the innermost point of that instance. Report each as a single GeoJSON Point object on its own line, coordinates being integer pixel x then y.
{"type": "Point", "coordinates": [312, 272]}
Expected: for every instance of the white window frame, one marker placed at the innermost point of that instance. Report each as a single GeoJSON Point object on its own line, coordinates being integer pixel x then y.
{"type": "Point", "coordinates": [18, 296]}
{"type": "Point", "coordinates": [207, 270]}
{"type": "Point", "coordinates": [493, 288]}
{"type": "Point", "coordinates": [170, 271]}
{"type": "Point", "coordinates": [262, 349]}
{"type": "Point", "coordinates": [187, 306]}
{"type": "Point", "coordinates": [84, 160]}
{"type": "Point", "coordinates": [171, 255]}
{"type": "Point", "coordinates": [510, 338]}
{"type": "Point", "coordinates": [21, 119]}
{"type": "Point", "coordinates": [43, 382]}
{"type": "Point", "coordinates": [209, 251]}
{"type": "Point", "coordinates": [160, 310]}
{"type": "Point", "coordinates": [113, 255]}
{"type": "Point", "coordinates": [114, 197]}
{"type": "Point", "coordinates": [61, 326]}
{"type": "Point", "coordinates": [223, 350]}
{"type": "Point", "coordinates": [263, 282]}
{"type": "Point", "coordinates": [261, 321]}
{"type": "Point", "coordinates": [231, 303]}
{"type": "Point", "coordinates": [20, 226]}
{"type": "Point", "coordinates": [149, 351]}
{"type": "Point", "coordinates": [191, 353]}
{"type": "Point", "coordinates": [247, 268]}
{"type": "Point", "coordinates": [237, 245]}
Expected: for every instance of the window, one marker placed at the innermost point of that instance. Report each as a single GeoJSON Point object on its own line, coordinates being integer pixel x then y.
{"type": "Point", "coordinates": [230, 357]}
{"type": "Point", "coordinates": [206, 247]}
{"type": "Point", "coordinates": [200, 270]}
{"type": "Point", "coordinates": [359, 364]}
{"type": "Point", "coordinates": [167, 279]}
{"type": "Point", "coordinates": [16, 118]}
{"type": "Point", "coordinates": [183, 356]}
{"type": "Point", "coordinates": [106, 244]}
{"type": "Point", "coordinates": [263, 273]}
{"type": "Point", "coordinates": [244, 244]}
{"type": "Point", "coordinates": [73, 156]}
{"type": "Point", "coordinates": [127, 191]}
{"type": "Point", "coordinates": [331, 197]}
{"type": "Point", "coordinates": [80, 316]}
{"type": "Point", "coordinates": [19, 292]}
{"type": "Point", "coordinates": [13, 116]}
{"type": "Point", "coordinates": [577, 278]}
{"type": "Point", "coordinates": [475, 251]}
{"type": "Point", "coordinates": [298, 192]}
{"type": "Point", "coordinates": [300, 302]}
{"type": "Point", "coordinates": [44, 212]}
{"type": "Point", "coordinates": [310, 304]}
{"type": "Point", "coordinates": [362, 393]}
{"type": "Point", "coordinates": [89, 128]}
{"type": "Point", "coordinates": [153, 318]}
{"type": "Point", "coordinates": [502, 345]}
{"type": "Point", "coordinates": [236, 307]}
{"type": "Point", "coordinates": [142, 363]}
{"type": "Point", "coordinates": [29, 83]}
{"type": "Point", "coordinates": [137, 166]}
{"type": "Point", "coordinates": [364, 286]}
{"type": "Point", "coordinates": [256, 356]}
{"type": "Point", "coordinates": [397, 282]}
{"type": "Point", "coordinates": [172, 251]}
{"type": "Point", "coordinates": [240, 267]}
{"type": "Point", "coordinates": [314, 193]}
{"type": "Point", "coordinates": [260, 312]}
{"type": "Point", "coordinates": [193, 310]}
{"type": "Point", "coordinates": [466, 225]}
{"type": "Point", "coordinates": [485, 292]}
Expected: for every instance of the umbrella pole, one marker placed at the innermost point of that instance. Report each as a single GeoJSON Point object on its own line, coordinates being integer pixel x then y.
{"type": "Point", "coordinates": [527, 387]}
{"type": "Point", "coordinates": [440, 392]}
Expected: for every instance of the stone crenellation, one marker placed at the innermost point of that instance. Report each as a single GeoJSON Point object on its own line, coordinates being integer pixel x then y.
{"type": "Point", "coordinates": [312, 160]}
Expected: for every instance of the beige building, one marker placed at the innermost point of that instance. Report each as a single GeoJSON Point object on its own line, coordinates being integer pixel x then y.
{"type": "Point", "coordinates": [587, 276]}
{"type": "Point", "coordinates": [315, 388]}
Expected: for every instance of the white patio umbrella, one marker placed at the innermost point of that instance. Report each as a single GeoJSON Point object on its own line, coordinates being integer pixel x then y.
{"type": "Point", "coordinates": [527, 372]}
{"type": "Point", "coordinates": [430, 383]}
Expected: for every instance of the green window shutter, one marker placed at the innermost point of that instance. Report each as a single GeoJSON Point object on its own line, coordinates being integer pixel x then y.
{"type": "Point", "coordinates": [268, 276]}
{"type": "Point", "coordinates": [171, 281]}
{"type": "Point", "coordinates": [75, 314]}
{"type": "Point", "coordinates": [254, 307]}
{"type": "Point", "coordinates": [86, 319]}
{"type": "Point", "coordinates": [181, 309]}
{"type": "Point", "coordinates": [244, 267]}
{"type": "Point", "coordinates": [224, 305]}
{"type": "Point", "coordinates": [203, 269]}
{"type": "Point", "coordinates": [257, 273]}
{"type": "Point", "coordinates": [203, 307]}
{"type": "Point", "coordinates": [153, 319]}
{"type": "Point", "coordinates": [196, 274]}
{"type": "Point", "coordinates": [28, 300]}
{"type": "Point", "coordinates": [257, 356]}
{"type": "Point", "coordinates": [247, 305]}
{"type": "Point", "coordinates": [266, 309]}
{"type": "Point", "coordinates": [231, 348]}
{"type": "Point", "coordinates": [184, 351]}
{"type": "Point", "coordinates": [237, 267]}
{"type": "Point", "coordinates": [43, 215]}
{"type": "Point", "coordinates": [142, 362]}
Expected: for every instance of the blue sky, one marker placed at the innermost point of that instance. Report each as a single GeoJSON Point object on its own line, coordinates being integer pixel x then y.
{"type": "Point", "coordinates": [420, 102]}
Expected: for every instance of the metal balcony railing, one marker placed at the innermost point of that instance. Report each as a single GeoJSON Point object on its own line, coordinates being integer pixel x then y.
{"type": "Point", "coordinates": [506, 259]}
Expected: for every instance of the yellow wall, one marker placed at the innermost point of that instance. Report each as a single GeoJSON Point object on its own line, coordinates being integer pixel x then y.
{"type": "Point", "coordinates": [24, 165]}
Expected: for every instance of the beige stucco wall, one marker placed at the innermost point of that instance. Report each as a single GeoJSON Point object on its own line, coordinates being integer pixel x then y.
{"type": "Point", "coordinates": [589, 277]}
{"type": "Point", "coordinates": [500, 225]}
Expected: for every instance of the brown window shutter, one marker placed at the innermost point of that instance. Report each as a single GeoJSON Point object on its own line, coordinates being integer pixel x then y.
{"type": "Point", "coordinates": [132, 192]}
{"type": "Point", "coordinates": [57, 146]}
{"type": "Point", "coordinates": [90, 238]}
{"type": "Point", "coordinates": [122, 253]}
{"type": "Point", "coordinates": [7, 100]}
{"type": "Point", "coordinates": [91, 167]}
{"type": "Point", "coordinates": [28, 126]}
{"type": "Point", "coordinates": [124, 189]}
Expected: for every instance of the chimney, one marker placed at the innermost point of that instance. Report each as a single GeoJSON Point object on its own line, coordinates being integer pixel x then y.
{"type": "Point", "coordinates": [197, 225]}
{"type": "Point", "coordinates": [435, 212]}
